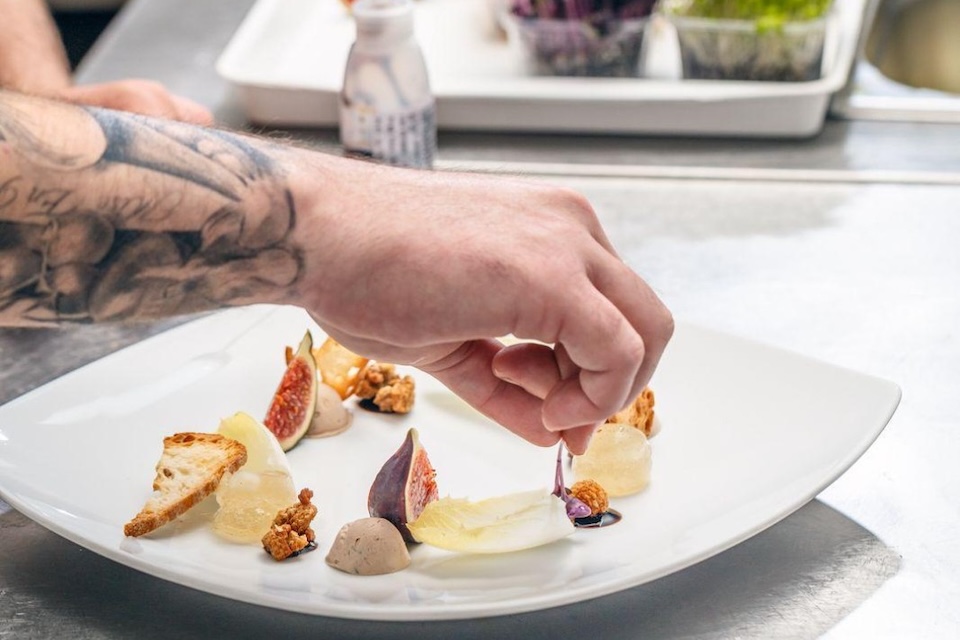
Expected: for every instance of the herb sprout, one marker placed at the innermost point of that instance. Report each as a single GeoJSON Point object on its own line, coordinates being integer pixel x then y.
{"type": "Point", "coordinates": [582, 37]}
{"type": "Point", "coordinates": [576, 508]}
{"type": "Point", "coordinates": [586, 10]}
{"type": "Point", "coordinates": [768, 14]}
{"type": "Point", "coordinates": [758, 40]}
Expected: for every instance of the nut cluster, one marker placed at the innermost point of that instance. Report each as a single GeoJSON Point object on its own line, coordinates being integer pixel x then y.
{"type": "Point", "coordinates": [591, 494]}
{"type": "Point", "coordinates": [381, 384]}
{"type": "Point", "coordinates": [290, 532]}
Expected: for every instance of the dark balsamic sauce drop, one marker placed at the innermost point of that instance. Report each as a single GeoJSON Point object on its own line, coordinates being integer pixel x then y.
{"type": "Point", "coordinates": [311, 546]}
{"type": "Point", "coordinates": [369, 405]}
{"type": "Point", "coordinates": [608, 518]}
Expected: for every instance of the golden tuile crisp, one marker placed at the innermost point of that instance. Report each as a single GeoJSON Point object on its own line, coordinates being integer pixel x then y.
{"type": "Point", "coordinates": [639, 414]}
{"type": "Point", "coordinates": [339, 367]}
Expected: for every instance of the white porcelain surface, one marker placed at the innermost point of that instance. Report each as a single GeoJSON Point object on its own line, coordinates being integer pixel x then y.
{"type": "Point", "coordinates": [743, 445]}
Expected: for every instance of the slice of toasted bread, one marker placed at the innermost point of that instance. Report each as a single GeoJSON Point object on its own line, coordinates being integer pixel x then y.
{"type": "Point", "coordinates": [189, 470]}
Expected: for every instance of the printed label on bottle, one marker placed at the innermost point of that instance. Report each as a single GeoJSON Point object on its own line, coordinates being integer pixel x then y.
{"type": "Point", "coordinates": [402, 138]}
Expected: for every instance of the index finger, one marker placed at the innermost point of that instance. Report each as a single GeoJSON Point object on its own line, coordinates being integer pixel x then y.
{"type": "Point", "coordinates": [469, 372]}
{"type": "Point", "coordinates": [615, 332]}
{"type": "Point", "coordinates": [609, 353]}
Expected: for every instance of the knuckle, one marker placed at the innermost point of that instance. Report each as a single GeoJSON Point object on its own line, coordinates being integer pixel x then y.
{"type": "Point", "coordinates": [666, 326]}
{"type": "Point", "coordinates": [578, 204]}
{"type": "Point", "coordinates": [633, 352]}
{"type": "Point", "coordinates": [141, 85]}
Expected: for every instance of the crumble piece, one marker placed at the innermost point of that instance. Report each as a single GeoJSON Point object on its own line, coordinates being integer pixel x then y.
{"type": "Point", "coordinates": [290, 532]}
{"type": "Point", "coordinates": [590, 493]}
{"type": "Point", "coordinates": [381, 384]}
{"type": "Point", "coordinates": [282, 541]}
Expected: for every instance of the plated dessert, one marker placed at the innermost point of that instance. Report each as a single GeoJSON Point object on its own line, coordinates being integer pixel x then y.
{"type": "Point", "coordinates": [244, 467]}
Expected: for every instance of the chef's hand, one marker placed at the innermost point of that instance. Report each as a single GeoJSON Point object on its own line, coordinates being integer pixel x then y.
{"type": "Point", "coordinates": [429, 268]}
{"type": "Point", "coordinates": [145, 97]}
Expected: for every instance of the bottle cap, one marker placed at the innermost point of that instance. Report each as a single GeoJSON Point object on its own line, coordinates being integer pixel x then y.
{"type": "Point", "coordinates": [384, 18]}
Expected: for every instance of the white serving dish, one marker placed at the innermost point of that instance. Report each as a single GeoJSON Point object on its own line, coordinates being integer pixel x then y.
{"type": "Point", "coordinates": [742, 446]}
{"type": "Point", "coordinates": [286, 63]}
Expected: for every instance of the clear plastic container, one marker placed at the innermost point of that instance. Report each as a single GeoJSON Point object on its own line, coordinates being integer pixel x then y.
{"type": "Point", "coordinates": [718, 49]}
{"type": "Point", "coordinates": [608, 48]}
{"type": "Point", "coordinates": [387, 110]}
{"type": "Point", "coordinates": [498, 10]}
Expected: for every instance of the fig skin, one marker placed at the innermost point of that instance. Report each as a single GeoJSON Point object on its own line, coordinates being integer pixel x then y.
{"type": "Point", "coordinates": [390, 494]}
{"type": "Point", "coordinates": [305, 399]}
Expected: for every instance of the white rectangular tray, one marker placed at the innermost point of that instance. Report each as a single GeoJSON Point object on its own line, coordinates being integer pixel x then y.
{"type": "Point", "coordinates": [286, 63]}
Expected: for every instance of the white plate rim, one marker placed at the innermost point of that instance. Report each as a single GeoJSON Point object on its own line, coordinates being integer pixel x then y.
{"type": "Point", "coordinates": [400, 612]}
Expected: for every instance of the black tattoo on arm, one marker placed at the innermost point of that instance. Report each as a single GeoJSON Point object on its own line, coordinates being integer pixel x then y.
{"type": "Point", "coordinates": [139, 218]}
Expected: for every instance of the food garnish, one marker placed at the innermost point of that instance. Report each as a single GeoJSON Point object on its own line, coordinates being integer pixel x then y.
{"type": "Point", "coordinates": [290, 533]}
{"type": "Point", "coordinates": [381, 388]}
{"type": "Point", "coordinates": [496, 525]}
{"type": "Point", "coordinates": [639, 413]}
{"type": "Point", "coordinates": [575, 508]}
{"type": "Point", "coordinates": [369, 547]}
{"type": "Point", "coordinates": [339, 367]}
{"type": "Point", "coordinates": [190, 469]}
{"type": "Point", "coordinates": [404, 486]}
{"type": "Point", "coordinates": [586, 502]}
{"type": "Point", "coordinates": [249, 498]}
{"type": "Point", "coordinates": [295, 399]}
{"type": "Point", "coordinates": [590, 493]}
{"type": "Point", "coordinates": [618, 457]}
{"type": "Point", "coordinates": [377, 384]}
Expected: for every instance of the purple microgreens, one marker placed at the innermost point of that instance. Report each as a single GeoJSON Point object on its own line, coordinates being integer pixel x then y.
{"type": "Point", "coordinates": [585, 10]}
{"type": "Point", "coordinates": [576, 508]}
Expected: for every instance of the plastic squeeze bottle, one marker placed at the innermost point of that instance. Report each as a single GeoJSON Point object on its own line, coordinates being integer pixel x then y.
{"type": "Point", "coordinates": [387, 111]}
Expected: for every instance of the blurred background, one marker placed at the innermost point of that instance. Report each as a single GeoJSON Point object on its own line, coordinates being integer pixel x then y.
{"type": "Point", "coordinates": [81, 22]}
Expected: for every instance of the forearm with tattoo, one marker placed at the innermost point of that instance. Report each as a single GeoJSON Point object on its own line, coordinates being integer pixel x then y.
{"type": "Point", "coordinates": [106, 216]}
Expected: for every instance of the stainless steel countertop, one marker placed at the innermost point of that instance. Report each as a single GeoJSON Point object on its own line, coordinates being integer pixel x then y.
{"type": "Point", "coordinates": [857, 267]}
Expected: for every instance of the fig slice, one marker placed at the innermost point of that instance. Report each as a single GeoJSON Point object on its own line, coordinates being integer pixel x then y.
{"type": "Point", "coordinates": [404, 486]}
{"type": "Point", "coordinates": [295, 399]}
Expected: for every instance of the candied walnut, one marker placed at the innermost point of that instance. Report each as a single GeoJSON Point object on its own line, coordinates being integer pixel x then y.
{"type": "Point", "coordinates": [591, 494]}
{"type": "Point", "coordinates": [639, 414]}
{"type": "Point", "coordinates": [381, 384]}
{"type": "Point", "coordinates": [300, 515]}
{"type": "Point", "coordinates": [290, 531]}
{"type": "Point", "coordinates": [397, 397]}
{"type": "Point", "coordinates": [281, 542]}
{"type": "Point", "coordinates": [374, 376]}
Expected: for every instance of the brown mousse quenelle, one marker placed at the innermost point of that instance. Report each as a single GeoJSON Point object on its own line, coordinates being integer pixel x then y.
{"type": "Point", "coordinates": [369, 547]}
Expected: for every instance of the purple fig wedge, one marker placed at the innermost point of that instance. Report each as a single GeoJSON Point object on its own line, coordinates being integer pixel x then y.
{"type": "Point", "coordinates": [404, 486]}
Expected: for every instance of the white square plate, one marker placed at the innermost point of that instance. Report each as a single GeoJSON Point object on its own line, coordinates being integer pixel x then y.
{"type": "Point", "coordinates": [750, 434]}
